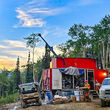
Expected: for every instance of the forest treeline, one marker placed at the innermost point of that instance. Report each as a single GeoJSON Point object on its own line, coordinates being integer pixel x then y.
{"type": "Point", "coordinates": [84, 42]}
{"type": "Point", "coordinates": [89, 42]}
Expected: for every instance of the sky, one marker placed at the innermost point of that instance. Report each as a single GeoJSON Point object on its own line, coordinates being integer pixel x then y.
{"type": "Point", "coordinates": [51, 18]}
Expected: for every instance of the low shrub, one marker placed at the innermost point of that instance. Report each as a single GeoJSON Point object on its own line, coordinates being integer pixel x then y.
{"type": "Point", "coordinates": [9, 99]}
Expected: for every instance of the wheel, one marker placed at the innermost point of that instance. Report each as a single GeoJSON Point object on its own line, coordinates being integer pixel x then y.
{"type": "Point", "coordinates": [39, 103]}
{"type": "Point", "coordinates": [23, 104]}
{"type": "Point", "coordinates": [103, 103]}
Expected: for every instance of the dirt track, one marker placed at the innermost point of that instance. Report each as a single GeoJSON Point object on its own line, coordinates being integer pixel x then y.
{"type": "Point", "coordinates": [94, 105]}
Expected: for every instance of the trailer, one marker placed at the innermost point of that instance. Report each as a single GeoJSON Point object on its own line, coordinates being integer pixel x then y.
{"type": "Point", "coordinates": [54, 78]}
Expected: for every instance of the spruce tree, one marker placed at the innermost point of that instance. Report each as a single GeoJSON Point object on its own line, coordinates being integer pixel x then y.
{"type": "Point", "coordinates": [17, 74]}
{"type": "Point", "coordinates": [29, 75]}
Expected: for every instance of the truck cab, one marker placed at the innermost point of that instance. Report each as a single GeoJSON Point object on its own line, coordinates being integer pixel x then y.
{"type": "Point", "coordinates": [104, 92]}
{"type": "Point", "coordinates": [29, 94]}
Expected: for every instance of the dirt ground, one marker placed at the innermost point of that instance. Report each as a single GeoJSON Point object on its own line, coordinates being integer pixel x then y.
{"type": "Point", "coordinates": [94, 105]}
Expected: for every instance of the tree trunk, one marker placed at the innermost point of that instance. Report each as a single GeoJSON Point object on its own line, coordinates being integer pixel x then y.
{"type": "Point", "coordinates": [0, 91]}
{"type": "Point", "coordinates": [33, 66]}
{"type": "Point", "coordinates": [107, 55]}
{"type": "Point", "coordinates": [84, 51]}
{"type": "Point", "coordinates": [103, 55]}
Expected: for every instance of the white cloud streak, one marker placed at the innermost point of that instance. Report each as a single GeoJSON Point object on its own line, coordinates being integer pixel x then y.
{"type": "Point", "coordinates": [3, 47]}
{"type": "Point", "coordinates": [46, 11]}
{"type": "Point", "coordinates": [34, 13]}
{"type": "Point", "coordinates": [37, 3]}
{"type": "Point", "coordinates": [26, 20]}
{"type": "Point", "coordinates": [12, 43]}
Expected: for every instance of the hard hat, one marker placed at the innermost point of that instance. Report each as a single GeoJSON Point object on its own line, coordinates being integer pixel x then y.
{"type": "Point", "coordinates": [85, 81]}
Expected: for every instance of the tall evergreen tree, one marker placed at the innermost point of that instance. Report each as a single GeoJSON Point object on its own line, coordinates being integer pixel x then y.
{"type": "Point", "coordinates": [17, 78]}
{"type": "Point", "coordinates": [29, 75]}
{"type": "Point", "coordinates": [3, 82]}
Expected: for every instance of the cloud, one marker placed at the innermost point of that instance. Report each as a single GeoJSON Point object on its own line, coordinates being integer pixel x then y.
{"type": "Point", "coordinates": [3, 47]}
{"type": "Point", "coordinates": [46, 11]}
{"type": "Point", "coordinates": [39, 10]}
{"type": "Point", "coordinates": [9, 51]}
{"type": "Point", "coordinates": [13, 48]}
{"type": "Point", "coordinates": [56, 49]}
{"type": "Point", "coordinates": [7, 64]}
{"type": "Point", "coordinates": [26, 20]}
{"type": "Point", "coordinates": [13, 43]}
{"type": "Point", "coordinates": [36, 3]}
{"type": "Point", "coordinates": [34, 12]}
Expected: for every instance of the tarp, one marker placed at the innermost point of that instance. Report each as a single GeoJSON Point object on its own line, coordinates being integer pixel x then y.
{"type": "Point", "coordinates": [81, 71]}
{"type": "Point", "coordinates": [70, 71]}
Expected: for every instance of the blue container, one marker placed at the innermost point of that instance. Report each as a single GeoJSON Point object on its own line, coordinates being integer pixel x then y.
{"type": "Point", "coordinates": [67, 94]}
{"type": "Point", "coordinates": [70, 93]}
{"type": "Point", "coordinates": [49, 95]}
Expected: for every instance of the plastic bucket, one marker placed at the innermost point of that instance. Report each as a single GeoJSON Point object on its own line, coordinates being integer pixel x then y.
{"type": "Point", "coordinates": [78, 94]}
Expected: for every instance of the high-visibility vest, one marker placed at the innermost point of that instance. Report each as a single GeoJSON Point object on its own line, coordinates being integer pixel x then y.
{"type": "Point", "coordinates": [87, 85]}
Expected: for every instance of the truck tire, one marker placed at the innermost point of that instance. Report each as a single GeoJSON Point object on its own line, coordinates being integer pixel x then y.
{"type": "Point", "coordinates": [103, 103]}
{"type": "Point", "coordinates": [23, 104]}
{"type": "Point", "coordinates": [39, 103]}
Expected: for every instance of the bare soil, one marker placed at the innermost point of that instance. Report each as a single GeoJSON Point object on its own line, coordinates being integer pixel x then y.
{"type": "Point", "coordinates": [94, 105]}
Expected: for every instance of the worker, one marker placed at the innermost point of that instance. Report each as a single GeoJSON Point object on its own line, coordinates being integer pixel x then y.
{"type": "Point", "coordinates": [86, 84]}
{"type": "Point", "coordinates": [42, 95]}
{"type": "Point", "coordinates": [86, 91]}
